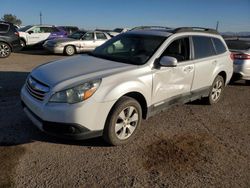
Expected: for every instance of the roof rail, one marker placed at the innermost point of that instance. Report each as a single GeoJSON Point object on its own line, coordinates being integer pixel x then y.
{"type": "Point", "coordinates": [149, 27]}
{"type": "Point", "coordinates": [195, 29]}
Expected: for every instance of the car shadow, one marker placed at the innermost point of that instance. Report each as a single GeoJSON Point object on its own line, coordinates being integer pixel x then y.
{"type": "Point", "coordinates": [15, 127]}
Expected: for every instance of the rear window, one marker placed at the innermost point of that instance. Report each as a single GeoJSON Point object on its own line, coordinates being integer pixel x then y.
{"type": "Point", "coordinates": [203, 47]}
{"type": "Point", "coordinates": [4, 28]}
{"type": "Point", "coordinates": [238, 44]}
{"type": "Point", "coordinates": [219, 46]}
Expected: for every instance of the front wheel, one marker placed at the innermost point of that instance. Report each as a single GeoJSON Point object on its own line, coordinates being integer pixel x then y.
{"type": "Point", "coordinates": [216, 90]}
{"type": "Point", "coordinates": [69, 50]}
{"type": "Point", "coordinates": [123, 121]}
{"type": "Point", "coordinates": [5, 50]}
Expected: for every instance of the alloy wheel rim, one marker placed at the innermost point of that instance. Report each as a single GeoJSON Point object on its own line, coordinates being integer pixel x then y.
{"type": "Point", "coordinates": [70, 50]}
{"type": "Point", "coordinates": [4, 50]}
{"type": "Point", "coordinates": [126, 122]}
{"type": "Point", "coordinates": [217, 89]}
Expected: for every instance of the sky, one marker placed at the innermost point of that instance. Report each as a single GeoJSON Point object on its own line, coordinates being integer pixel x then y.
{"type": "Point", "coordinates": [233, 15]}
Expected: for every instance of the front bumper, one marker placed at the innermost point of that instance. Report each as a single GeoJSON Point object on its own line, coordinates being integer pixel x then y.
{"type": "Point", "coordinates": [54, 49]}
{"type": "Point", "coordinates": [73, 121]}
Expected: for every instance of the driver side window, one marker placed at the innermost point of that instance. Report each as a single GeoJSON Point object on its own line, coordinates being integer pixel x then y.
{"type": "Point", "coordinates": [179, 49]}
{"type": "Point", "coordinates": [36, 30]}
{"type": "Point", "coordinates": [88, 36]}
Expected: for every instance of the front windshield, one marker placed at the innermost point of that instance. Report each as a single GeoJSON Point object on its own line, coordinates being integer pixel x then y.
{"type": "Point", "coordinates": [24, 29]}
{"type": "Point", "coordinates": [77, 35]}
{"type": "Point", "coordinates": [129, 48]}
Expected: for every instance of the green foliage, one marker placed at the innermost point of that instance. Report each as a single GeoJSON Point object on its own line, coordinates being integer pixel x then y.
{"type": "Point", "coordinates": [12, 19]}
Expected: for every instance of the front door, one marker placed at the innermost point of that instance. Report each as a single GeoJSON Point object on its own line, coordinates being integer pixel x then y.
{"type": "Point", "coordinates": [171, 84]}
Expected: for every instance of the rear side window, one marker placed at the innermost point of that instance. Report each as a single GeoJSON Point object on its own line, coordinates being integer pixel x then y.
{"type": "Point", "coordinates": [203, 47]}
{"type": "Point", "coordinates": [4, 28]}
{"type": "Point", "coordinates": [101, 36]}
{"type": "Point", "coordinates": [219, 46]}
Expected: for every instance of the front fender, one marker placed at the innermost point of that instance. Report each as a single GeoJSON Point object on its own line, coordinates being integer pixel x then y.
{"type": "Point", "coordinates": [114, 92]}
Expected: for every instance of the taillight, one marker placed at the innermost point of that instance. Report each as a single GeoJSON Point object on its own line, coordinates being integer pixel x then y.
{"type": "Point", "coordinates": [232, 56]}
{"type": "Point", "coordinates": [17, 34]}
{"type": "Point", "coordinates": [241, 56]}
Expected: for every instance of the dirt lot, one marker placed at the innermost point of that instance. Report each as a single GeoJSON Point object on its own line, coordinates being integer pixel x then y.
{"type": "Point", "coordinates": [192, 145]}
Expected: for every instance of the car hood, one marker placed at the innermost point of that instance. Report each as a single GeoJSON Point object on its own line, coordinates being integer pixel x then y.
{"type": "Point", "coordinates": [77, 69]}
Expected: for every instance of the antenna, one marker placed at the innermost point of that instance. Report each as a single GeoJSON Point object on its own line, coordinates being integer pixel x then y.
{"type": "Point", "coordinates": [41, 18]}
{"type": "Point", "coordinates": [217, 25]}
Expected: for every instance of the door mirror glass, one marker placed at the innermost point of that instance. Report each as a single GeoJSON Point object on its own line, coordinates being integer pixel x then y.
{"type": "Point", "coordinates": [30, 32]}
{"type": "Point", "coordinates": [167, 61]}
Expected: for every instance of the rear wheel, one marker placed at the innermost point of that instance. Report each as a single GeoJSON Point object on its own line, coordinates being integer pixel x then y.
{"type": "Point", "coordinates": [216, 90]}
{"type": "Point", "coordinates": [5, 50]}
{"type": "Point", "coordinates": [69, 50]}
{"type": "Point", "coordinates": [247, 82]}
{"type": "Point", "coordinates": [123, 121]}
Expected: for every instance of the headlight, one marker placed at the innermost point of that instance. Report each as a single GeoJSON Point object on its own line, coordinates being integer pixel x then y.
{"type": "Point", "coordinates": [76, 94]}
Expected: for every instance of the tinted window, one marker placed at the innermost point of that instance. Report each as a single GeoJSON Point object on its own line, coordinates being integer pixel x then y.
{"type": "Point", "coordinates": [4, 28]}
{"type": "Point", "coordinates": [219, 46]}
{"type": "Point", "coordinates": [77, 35]}
{"type": "Point", "coordinates": [49, 30]}
{"type": "Point", "coordinates": [101, 36]}
{"type": "Point", "coordinates": [203, 47]}
{"type": "Point", "coordinates": [238, 44]}
{"type": "Point", "coordinates": [23, 29]}
{"type": "Point", "coordinates": [178, 49]}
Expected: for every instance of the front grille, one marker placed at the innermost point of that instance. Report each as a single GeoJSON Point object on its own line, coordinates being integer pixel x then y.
{"type": "Point", "coordinates": [36, 89]}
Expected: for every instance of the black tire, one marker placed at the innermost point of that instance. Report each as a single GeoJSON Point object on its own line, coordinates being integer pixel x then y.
{"type": "Point", "coordinates": [5, 50]}
{"type": "Point", "coordinates": [22, 43]}
{"type": "Point", "coordinates": [216, 91]}
{"type": "Point", "coordinates": [247, 82]}
{"type": "Point", "coordinates": [69, 50]}
{"type": "Point", "coordinates": [117, 130]}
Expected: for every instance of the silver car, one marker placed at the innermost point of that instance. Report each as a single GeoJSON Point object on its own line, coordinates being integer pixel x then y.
{"type": "Point", "coordinates": [132, 76]}
{"type": "Point", "coordinates": [241, 54]}
{"type": "Point", "coordinates": [80, 41]}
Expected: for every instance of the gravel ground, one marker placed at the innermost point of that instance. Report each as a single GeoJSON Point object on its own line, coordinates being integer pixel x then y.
{"type": "Point", "coordinates": [192, 145]}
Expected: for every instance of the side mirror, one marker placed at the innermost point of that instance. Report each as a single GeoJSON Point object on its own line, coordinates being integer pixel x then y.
{"type": "Point", "coordinates": [30, 32]}
{"type": "Point", "coordinates": [168, 61]}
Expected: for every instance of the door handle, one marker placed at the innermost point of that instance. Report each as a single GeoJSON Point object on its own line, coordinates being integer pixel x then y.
{"type": "Point", "coordinates": [214, 62]}
{"type": "Point", "coordinates": [188, 68]}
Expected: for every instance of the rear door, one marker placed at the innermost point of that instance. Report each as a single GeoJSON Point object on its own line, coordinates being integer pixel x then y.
{"type": "Point", "coordinates": [171, 84]}
{"type": "Point", "coordinates": [100, 38]}
{"type": "Point", "coordinates": [204, 62]}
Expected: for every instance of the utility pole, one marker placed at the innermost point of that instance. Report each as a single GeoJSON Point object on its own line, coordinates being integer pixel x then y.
{"type": "Point", "coordinates": [217, 25]}
{"type": "Point", "coordinates": [41, 22]}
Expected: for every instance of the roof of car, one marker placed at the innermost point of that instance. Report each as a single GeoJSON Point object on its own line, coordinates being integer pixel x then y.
{"type": "Point", "coordinates": [165, 31]}
{"type": "Point", "coordinates": [153, 32]}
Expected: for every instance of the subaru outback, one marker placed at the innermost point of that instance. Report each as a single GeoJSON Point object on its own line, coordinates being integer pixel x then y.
{"type": "Point", "coordinates": [129, 78]}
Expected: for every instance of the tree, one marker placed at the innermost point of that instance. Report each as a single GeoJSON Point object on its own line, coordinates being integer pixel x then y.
{"type": "Point", "coordinates": [12, 19]}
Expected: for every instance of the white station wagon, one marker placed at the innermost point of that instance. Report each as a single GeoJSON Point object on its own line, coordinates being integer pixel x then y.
{"type": "Point", "coordinates": [132, 76]}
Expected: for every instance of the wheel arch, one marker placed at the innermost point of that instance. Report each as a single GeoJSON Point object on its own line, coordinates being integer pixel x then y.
{"type": "Point", "coordinates": [224, 75]}
{"type": "Point", "coordinates": [11, 48]}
